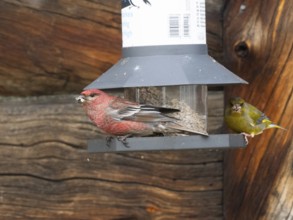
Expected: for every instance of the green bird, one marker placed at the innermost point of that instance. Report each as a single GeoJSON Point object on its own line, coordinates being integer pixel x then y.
{"type": "Point", "coordinates": [246, 119]}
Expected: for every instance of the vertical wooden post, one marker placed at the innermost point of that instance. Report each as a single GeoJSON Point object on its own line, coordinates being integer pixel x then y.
{"type": "Point", "coordinates": [258, 44]}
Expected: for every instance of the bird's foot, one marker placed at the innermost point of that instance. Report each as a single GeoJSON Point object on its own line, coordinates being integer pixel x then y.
{"type": "Point", "coordinates": [108, 140]}
{"type": "Point", "coordinates": [245, 135]}
{"type": "Point", "coordinates": [123, 140]}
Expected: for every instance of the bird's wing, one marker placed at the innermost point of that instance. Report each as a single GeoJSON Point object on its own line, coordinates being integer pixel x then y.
{"type": "Point", "coordinates": [120, 108]}
{"type": "Point", "coordinates": [256, 115]}
{"type": "Point", "coordinates": [151, 114]}
{"type": "Point", "coordinates": [131, 111]}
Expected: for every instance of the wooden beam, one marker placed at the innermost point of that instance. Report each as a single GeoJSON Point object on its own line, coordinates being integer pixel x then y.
{"type": "Point", "coordinates": [258, 42]}
{"type": "Point", "coordinates": [46, 172]}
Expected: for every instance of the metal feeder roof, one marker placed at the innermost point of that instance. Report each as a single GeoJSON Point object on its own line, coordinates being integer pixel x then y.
{"type": "Point", "coordinates": [165, 66]}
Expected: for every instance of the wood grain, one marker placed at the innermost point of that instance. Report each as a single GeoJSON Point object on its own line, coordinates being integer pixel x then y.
{"type": "Point", "coordinates": [56, 46]}
{"type": "Point", "coordinates": [280, 204]}
{"type": "Point", "coordinates": [258, 46]}
{"type": "Point", "coordinates": [53, 47]}
{"type": "Point", "coordinates": [46, 172]}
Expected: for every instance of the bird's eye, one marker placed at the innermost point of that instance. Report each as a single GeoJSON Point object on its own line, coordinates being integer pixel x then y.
{"type": "Point", "coordinates": [92, 95]}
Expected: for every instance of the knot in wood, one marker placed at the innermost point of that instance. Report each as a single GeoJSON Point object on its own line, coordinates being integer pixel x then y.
{"type": "Point", "coordinates": [241, 49]}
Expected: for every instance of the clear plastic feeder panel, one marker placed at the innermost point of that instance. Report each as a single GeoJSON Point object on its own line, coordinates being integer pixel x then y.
{"type": "Point", "coordinates": [191, 100]}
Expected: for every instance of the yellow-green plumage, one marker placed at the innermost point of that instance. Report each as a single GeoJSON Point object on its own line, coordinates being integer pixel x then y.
{"type": "Point", "coordinates": [244, 118]}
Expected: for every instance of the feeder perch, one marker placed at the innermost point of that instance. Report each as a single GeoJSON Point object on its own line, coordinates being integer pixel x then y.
{"type": "Point", "coordinates": [165, 62]}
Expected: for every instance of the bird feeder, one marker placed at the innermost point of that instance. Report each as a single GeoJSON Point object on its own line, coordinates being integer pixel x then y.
{"type": "Point", "coordinates": [165, 62]}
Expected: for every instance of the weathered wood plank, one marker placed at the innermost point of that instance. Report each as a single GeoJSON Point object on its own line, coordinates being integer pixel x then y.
{"type": "Point", "coordinates": [258, 46]}
{"type": "Point", "coordinates": [280, 204]}
{"type": "Point", "coordinates": [215, 111]}
{"type": "Point", "coordinates": [61, 45]}
{"type": "Point", "coordinates": [214, 26]}
{"type": "Point", "coordinates": [46, 172]}
{"type": "Point", "coordinates": [53, 47]}
{"type": "Point", "coordinates": [93, 199]}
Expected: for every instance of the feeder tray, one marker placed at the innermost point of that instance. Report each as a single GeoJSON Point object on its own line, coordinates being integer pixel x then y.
{"type": "Point", "coordinates": [215, 141]}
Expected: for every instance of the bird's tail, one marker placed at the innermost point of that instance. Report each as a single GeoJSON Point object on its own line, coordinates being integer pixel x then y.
{"type": "Point", "coordinates": [275, 126]}
{"type": "Point", "coordinates": [269, 124]}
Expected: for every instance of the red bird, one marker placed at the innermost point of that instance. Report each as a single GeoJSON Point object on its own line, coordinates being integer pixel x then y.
{"type": "Point", "coordinates": [120, 118]}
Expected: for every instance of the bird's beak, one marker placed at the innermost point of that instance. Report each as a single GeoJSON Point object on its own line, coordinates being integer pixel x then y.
{"type": "Point", "coordinates": [236, 108]}
{"type": "Point", "coordinates": [80, 99]}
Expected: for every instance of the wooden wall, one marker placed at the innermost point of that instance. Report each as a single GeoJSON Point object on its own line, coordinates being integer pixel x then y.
{"type": "Point", "coordinates": [258, 42]}
{"type": "Point", "coordinates": [49, 51]}
{"type": "Point", "coordinates": [52, 47]}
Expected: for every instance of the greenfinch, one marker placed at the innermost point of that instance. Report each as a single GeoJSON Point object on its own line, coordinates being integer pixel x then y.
{"type": "Point", "coordinates": [246, 119]}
